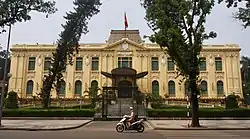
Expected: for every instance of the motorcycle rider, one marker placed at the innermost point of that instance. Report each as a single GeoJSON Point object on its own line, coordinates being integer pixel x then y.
{"type": "Point", "coordinates": [132, 116]}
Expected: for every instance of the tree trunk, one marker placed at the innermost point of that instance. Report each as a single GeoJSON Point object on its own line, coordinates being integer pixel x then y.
{"type": "Point", "coordinates": [47, 85]}
{"type": "Point", "coordinates": [194, 91]}
{"type": "Point", "coordinates": [46, 101]}
{"type": "Point", "coordinates": [195, 106]}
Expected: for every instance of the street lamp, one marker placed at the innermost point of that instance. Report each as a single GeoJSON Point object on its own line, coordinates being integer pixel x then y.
{"type": "Point", "coordinates": [5, 76]}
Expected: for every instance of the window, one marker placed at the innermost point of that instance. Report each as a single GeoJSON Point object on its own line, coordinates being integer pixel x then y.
{"type": "Point", "coordinates": [47, 63]}
{"type": "Point", "coordinates": [171, 88]}
{"type": "Point", "coordinates": [125, 62]}
{"type": "Point", "coordinates": [155, 64]}
{"type": "Point", "coordinates": [155, 88]}
{"type": "Point", "coordinates": [170, 65]}
{"type": "Point", "coordinates": [29, 88]}
{"type": "Point", "coordinates": [78, 87]}
{"type": "Point", "coordinates": [62, 89]}
{"type": "Point", "coordinates": [79, 63]}
{"type": "Point", "coordinates": [203, 65]}
{"type": "Point", "coordinates": [203, 88]}
{"type": "Point", "coordinates": [218, 63]}
{"type": "Point", "coordinates": [95, 63]}
{"type": "Point", "coordinates": [220, 90]}
{"type": "Point", "coordinates": [32, 63]}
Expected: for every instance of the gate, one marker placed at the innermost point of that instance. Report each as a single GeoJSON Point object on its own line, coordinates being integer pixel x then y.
{"type": "Point", "coordinates": [115, 102]}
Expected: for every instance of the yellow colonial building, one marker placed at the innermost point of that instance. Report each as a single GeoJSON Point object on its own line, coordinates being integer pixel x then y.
{"type": "Point", "coordinates": [220, 68]}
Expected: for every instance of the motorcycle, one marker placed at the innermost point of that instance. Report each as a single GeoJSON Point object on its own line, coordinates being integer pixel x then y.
{"type": "Point", "coordinates": [122, 125]}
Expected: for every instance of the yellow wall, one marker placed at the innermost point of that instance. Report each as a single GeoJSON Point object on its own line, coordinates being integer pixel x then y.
{"type": "Point", "coordinates": [141, 55]}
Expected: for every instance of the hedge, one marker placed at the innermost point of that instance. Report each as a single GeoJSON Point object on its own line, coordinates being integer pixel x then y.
{"type": "Point", "coordinates": [202, 112]}
{"type": "Point", "coordinates": [82, 106]}
{"type": "Point", "coordinates": [165, 106]}
{"type": "Point", "coordinates": [49, 113]}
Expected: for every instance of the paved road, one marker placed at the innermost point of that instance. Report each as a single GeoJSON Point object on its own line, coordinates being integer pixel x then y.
{"type": "Point", "coordinates": [205, 134]}
{"type": "Point", "coordinates": [106, 130]}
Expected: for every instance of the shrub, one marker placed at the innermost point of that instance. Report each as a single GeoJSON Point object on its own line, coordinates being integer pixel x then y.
{"type": "Point", "coordinates": [12, 100]}
{"type": "Point", "coordinates": [49, 113]}
{"type": "Point", "coordinates": [156, 105]}
{"type": "Point", "coordinates": [203, 112]}
{"type": "Point", "coordinates": [165, 106]}
{"type": "Point", "coordinates": [231, 102]}
{"type": "Point", "coordinates": [83, 106]}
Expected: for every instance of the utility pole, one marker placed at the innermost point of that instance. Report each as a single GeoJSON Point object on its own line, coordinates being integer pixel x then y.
{"type": "Point", "coordinates": [5, 77]}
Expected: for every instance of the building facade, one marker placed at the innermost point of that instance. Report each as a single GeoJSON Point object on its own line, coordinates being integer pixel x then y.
{"type": "Point", "coordinates": [219, 70]}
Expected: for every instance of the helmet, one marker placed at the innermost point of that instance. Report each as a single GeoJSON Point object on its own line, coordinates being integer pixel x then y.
{"type": "Point", "coordinates": [131, 108]}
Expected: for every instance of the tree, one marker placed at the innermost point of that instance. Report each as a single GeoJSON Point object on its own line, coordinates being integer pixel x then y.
{"type": "Point", "coordinates": [12, 100]}
{"type": "Point", "coordinates": [3, 56]}
{"type": "Point", "coordinates": [178, 27]}
{"type": "Point", "coordinates": [245, 62]}
{"type": "Point", "coordinates": [76, 24]}
{"type": "Point", "coordinates": [13, 11]}
{"type": "Point", "coordinates": [231, 102]}
{"type": "Point", "coordinates": [243, 13]}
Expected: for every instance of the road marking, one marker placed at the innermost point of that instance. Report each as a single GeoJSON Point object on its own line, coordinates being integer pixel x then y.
{"type": "Point", "coordinates": [148, 124]}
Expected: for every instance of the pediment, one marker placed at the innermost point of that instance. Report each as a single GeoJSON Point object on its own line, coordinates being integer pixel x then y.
{"type": "Point", "coordinates": [125, 44]}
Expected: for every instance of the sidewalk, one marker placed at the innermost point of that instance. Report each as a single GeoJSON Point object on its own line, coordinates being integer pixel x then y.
{"type": "Point", "coordinates": [206, 125]}
{"type": "Point", "coordinates": [35, 125]}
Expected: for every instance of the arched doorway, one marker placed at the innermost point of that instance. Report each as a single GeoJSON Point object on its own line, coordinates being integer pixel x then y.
{"type": "Point", "coordinates": [125, 89]}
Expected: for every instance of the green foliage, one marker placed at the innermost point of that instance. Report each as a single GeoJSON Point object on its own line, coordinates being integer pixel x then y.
{"type": "Point", "coordinates": [231, 102]}
{"type": "Point", "coordinates": [165, 106]}
{"type": "Point", "coordinates": [83, 106]}
{"type": "Point", "coordinates": [12, 100]}
{"type": "Point", "coordinates": [80, 106]}
{"type": "Point", "coordinates": [178, 27]}
{"type": "Point", "coordinates": [76, 24]}
{"type": "Point", "coordinates": [154, 98]}
{"type": "Point", "coordinates": [175, 29]}
{"type": "Point", "coordinates": [139, 97]}
{"type": "Point", "coordinates": [49, 113]}
{"type": "Point", "coordinates": [93, 93]}
{"type": "Point", "coordinates": [3, 56]}
{"type": "Point", "coordinates": [13, 11]}
{"type": "Point", "coordinates": [243, 13]}
{"type": "Point", "coordinates": [245, 74]}
{"type": "Point", "coordinates": [205, 112]}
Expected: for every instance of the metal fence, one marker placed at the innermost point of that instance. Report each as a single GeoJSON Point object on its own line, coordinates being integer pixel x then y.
{"type": "Point", "coordinates": [113, 106]}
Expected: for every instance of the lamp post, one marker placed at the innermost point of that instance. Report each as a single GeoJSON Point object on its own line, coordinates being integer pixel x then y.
{"type": "Point", "coordinates": [5, 76]}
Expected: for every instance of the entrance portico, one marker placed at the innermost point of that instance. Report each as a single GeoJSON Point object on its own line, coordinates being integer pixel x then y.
{"type": "Point", "coordinates": [125, 79]}
{"type": "Point", "coordinates": [125, 90]}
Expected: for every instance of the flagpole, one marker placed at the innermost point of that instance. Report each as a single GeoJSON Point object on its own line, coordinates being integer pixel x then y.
{"type": "Point", "coordinates": [125, 24]}
{"type": "Point", "coordinates": [125, 32]}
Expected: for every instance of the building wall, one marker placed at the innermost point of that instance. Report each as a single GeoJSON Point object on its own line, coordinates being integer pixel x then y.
{"type": "Point", "coordinates": [141, 54]}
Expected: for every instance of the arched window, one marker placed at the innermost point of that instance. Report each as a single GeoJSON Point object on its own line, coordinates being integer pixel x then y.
{"type": "Point", "coordinates": [220, 89]}
{"type": "Point", "coordinates": [171, 88]}
{"type": "Point", "coordinates": [62, 89]}
{"type": "Point", "coordinates": [29, 88]}
{"type": "Point", "coordinates": [78, 87]}
{"type": "Point", "coordinates": [155, 88]}
{"type": "Point", "coordinates": [204, 88]}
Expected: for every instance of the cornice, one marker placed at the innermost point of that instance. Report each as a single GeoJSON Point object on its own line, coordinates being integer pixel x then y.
{"type": "Point", "coordinates": [106, 47]}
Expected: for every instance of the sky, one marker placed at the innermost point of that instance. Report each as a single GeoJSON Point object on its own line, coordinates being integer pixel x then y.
{"type": "Point", "coordinates": [111, 16]}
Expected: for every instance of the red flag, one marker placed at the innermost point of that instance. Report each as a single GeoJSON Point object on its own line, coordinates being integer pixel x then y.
{"type": "Point", "coordinates": [125, 21]}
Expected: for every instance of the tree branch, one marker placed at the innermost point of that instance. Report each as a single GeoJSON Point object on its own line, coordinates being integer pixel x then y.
{"type": "Point", "coordinates": [189, 35]}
